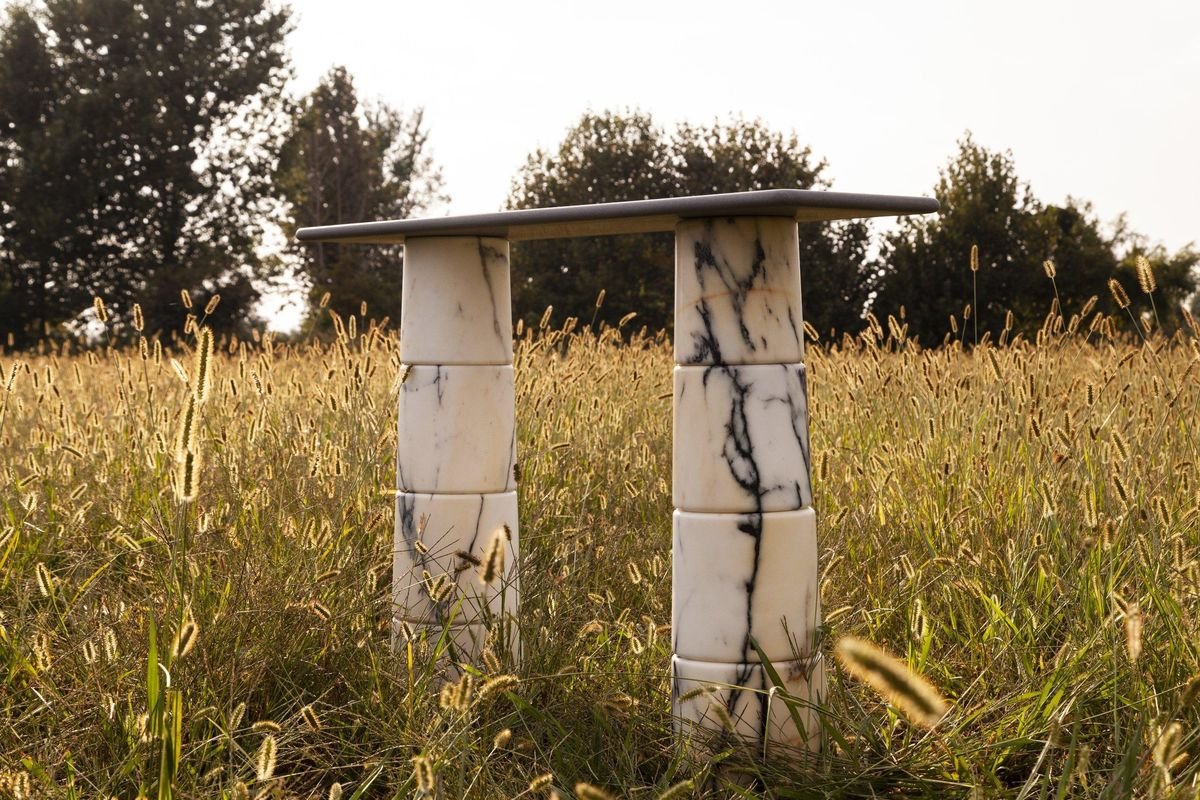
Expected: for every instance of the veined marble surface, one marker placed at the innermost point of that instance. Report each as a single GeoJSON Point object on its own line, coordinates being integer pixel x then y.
{"type": "Point", "coordinates": [456, 430]}
{"type": "Point", "coordinates": [456, 304]}
{"type": "Point", "coordinates": [442, 541]}
{"type": "Point", "coordinates": [723, 701]}
{"type": "Point", "coordinates": [737, 292]}
{"type": "Point", "coordinates": [735, 576]}
{"type": "Point", "coordinates": [741, 439]}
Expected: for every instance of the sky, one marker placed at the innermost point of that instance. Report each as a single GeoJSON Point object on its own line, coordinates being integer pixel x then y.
{"type": "Point", "coordinates": [1096, 100]}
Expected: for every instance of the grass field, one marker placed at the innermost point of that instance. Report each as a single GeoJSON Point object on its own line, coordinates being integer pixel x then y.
{"type": "Point", "coordinates": [1020, 523]}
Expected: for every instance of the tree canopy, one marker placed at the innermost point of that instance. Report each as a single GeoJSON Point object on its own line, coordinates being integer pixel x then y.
{"type": "Point", "coordinates": [610, 156]}
{"type": "Point", "coordinates": [349, 161]}
{"type": "Point", "coordinates": [135, 155]}
{"type": "Point", "coordinates": [925, 265]}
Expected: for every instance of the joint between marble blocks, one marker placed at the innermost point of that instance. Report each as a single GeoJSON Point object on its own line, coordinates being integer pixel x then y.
{"type": "Point", "coordinates": [456, 429]}
{"type": "Point", "coordinates": [740, 438]}
{"type": "Point", "coordinates": [456, 303]}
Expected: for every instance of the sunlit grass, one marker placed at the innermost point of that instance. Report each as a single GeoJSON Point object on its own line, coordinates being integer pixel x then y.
{"type": "Point", "coordinates": [1006, 520]}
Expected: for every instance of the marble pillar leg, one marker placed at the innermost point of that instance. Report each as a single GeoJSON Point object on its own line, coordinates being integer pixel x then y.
{"type": "Point", "coordinates": [454, 577]}
{"type": "Point", "coordinates": [744, 550]}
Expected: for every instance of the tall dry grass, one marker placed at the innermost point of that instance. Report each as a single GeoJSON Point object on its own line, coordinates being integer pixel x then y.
{"type": "Point", "coordinates": [1018, 522]}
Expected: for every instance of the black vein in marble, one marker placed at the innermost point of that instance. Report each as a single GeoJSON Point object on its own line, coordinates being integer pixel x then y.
{"type": "Point", "coordinates": [737, 286]}
{"type": "Point", "coordinates": [488, 253]}
{"type": "Point", "coordinates": [743, 466]}
{"type": "Point", "coordinates": [422, 561]}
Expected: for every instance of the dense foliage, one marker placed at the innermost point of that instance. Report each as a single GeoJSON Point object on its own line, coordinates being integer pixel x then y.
{"type": "Point", "coordinates": [609, 157]}
{"type": "Point", "coordinates": [346, 161]}
{"type": "Point", "coordinates": [136, 147]}
{"type": "Point", "coordinates": [926, 265]}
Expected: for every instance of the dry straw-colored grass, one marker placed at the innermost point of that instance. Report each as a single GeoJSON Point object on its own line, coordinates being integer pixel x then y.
{"type": "Point", "coordinates": [1005, 519]}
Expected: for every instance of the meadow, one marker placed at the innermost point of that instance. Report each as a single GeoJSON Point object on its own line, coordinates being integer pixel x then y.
{"type": "Point", "coordinates": [1019, 521]}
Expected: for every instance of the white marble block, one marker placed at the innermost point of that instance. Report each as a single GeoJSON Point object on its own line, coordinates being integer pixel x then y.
{"type": "Point", "coordinates": [456, 429]}
{"type": "Point", "coordinates": [442, 543]}
{"type": "Point", "coordinates": [456, 306]}
{"type": "Point", "coordinates": [737, 291]}
{"type": "Point", "coordinates": [715, 703]}
{"type": "Point", "coordinates": [737, 576]}
{"type": "Point", "coordinates": [741, 439]}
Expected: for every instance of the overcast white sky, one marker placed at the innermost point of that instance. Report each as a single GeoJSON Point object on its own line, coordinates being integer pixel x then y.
{"type": "Point", "coordinates": [1099, 100]}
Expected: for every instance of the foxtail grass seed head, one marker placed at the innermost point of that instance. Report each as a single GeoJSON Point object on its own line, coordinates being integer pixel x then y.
{"type": "Point", "coordinates": [1191, 691]}
{"type": "Point", "coordinates": [235, 719]}
{"type": "Point", "coordinates": [1133, 631]}
{"type": "Point", "coordinates": [324, 300]}
{"type": "Point", "coordinates": [203, 364]}
{"type": "Point", "coordinates": [187, 477]}
{"type": "Point", "coordinates": [1048, 266]}
{"type": "Point", "coordinates": [586, 791]}
{"type": "Point", "coordinates": [266, 726]}
{"type": "Point", "coordinates": [682, 789]}
{"type": "Point", "coordinates": [495, 686]}
{"type": "Point", "coordinates": [320, 610]}
{"type": "Point", "coordinates": [493, 558]}
{"type": "Point", "coordinates": [311, 719]}
{"type": "Point", "coordinates": [974, 258]}
{"type": "Point", "coordinates": [180, 372]}
{"type": "Point", "coordinates": [1120, 444]}
{"type": "Point", "coordinates": [42, 654]}
{"type": "Point", "coordinates": [212, 304]}
{"type": "Point", "coordinates": [45, 581]}
{"type": "Point", "coordinates": [501, 739]}
{"type": "Point", "coordinates": [541, 782]}
{"type": "Point", "coordinates": [910, 693]}
{"type": "Point", "coordinates": [1164, 748]}
{"type": "Point", "coordinates": [186, 299]}
{"type": "Point", "coordinates": [1162, 510]}
{"type": "Point", "coordinates": [994, 363]}
{"type": "Point", "coordinates": [1145, 275]}
{"type": "Point", "coordinates": [264, 761]}
{"type": "Point", "coordinates": [101, 311]}
{"type": "Point", "coordinates": [1118, 293]}
{"type": "Point", "coordinates": [335, 792]}
{"type": "Point", "coordinates": [1122, 491]}
{"type": "Point", "coordinates": [187, 428]}
{"type": "Point", "coordinates": [423, 774]}
{"type": "Point", "coordinates": [139, 322]}
{"type": "Point", "coordinates": [1091, 516]}
{"type": "Point", "coordinates": [185, 640]}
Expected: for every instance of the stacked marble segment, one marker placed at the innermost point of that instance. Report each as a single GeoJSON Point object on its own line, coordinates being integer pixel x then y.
{"type": "Point", "coordinates": [456, 504]}
{"type": "Point", "coordinates": [744, 555]}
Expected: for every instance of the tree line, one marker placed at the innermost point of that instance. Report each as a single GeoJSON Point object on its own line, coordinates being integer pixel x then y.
{"type": "Point", "coordinates": [152, 146]}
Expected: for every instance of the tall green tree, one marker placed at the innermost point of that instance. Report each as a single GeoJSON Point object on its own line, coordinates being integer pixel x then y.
{"type": "Point", "coordinates": [136, 141]}
{"type": "Point", "coordinates": [928, 271]}
{"type": "Point", "coordinates": [350, 161]}
{"type": "Point", "coordinates": [926, 263]}
{"type": "Point", "coordinates": [610, 157]}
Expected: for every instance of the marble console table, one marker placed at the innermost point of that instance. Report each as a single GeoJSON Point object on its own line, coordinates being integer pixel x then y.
{"type": "Point", "coordinates": [744, 547]}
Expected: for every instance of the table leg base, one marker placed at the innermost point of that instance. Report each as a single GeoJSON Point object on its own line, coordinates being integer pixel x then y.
{"type": "Point", "coordinates": [716, 704]}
